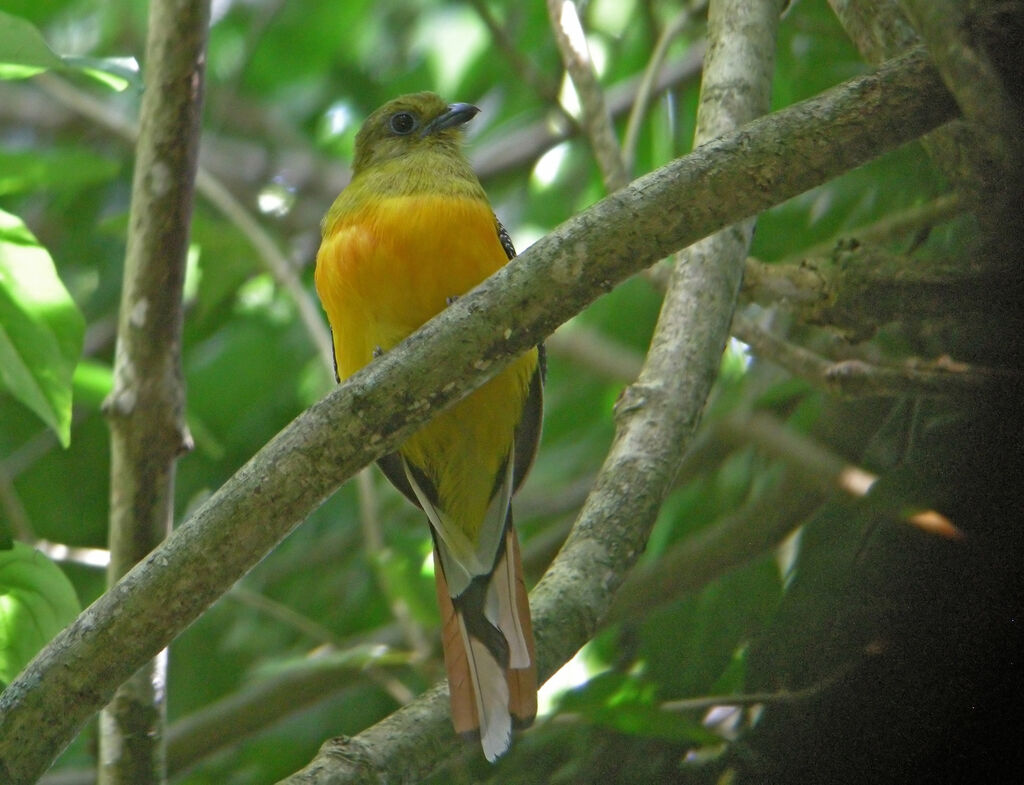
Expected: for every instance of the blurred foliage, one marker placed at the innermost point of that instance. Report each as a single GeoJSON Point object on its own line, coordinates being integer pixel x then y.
{"type": "Point", "coordinates": [36, 602]}
{"type": "Point", "coordinates": [863, 618]}
{"type": "Point", "coordinates": [41, 332]}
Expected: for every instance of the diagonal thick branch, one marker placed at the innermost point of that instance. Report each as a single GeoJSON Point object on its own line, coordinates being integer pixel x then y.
{"type": "Point", "coordinates": [704, 285]}
{"type": "Point", "coordinates": [720, 183]}
{"type": "Point", "coordinates": [655, 419]}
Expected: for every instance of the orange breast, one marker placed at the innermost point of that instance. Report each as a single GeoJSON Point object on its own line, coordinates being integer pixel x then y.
{"type": "Point", "coordinates": [381, 273]}
{"type": "Point", "coordinates": [384, 270]}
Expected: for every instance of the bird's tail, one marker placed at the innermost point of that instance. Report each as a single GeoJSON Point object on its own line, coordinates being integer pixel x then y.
{"type": "Point", "coordinates": [489, 653]}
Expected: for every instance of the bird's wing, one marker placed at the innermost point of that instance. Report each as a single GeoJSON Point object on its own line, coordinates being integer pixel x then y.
{"type": "Point", "coordinates": [462, 559]}
{"type": "Point", "coordinates": [529, 428]}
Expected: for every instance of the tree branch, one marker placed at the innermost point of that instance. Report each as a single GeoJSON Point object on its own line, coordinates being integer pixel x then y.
{"type": "Point", "coordinates": [861, 288]}
{"type": "Point", "coordinates": [855, 378]}
{"type": "Point", "coordinates": [597, 122]}
{"type": "Point", "coordinates": [655, 418]}
{"type": "Point", "coordinates": [877, 28]}
{"type": "Point", "coordinates": [724, 181]}
{"type": "Point", "coordinates": [903, 226]}
{"type": "Point", "coordinates": [146, 406]}
{"type": "Point", "coordinates": [964, 39]}
{"type": "Point", "coordinates": [645, 90]}
{"type": "Point", "coordinates": [957, 47]}
{"type": "Point", "coordinates": [523, 68]}
{"type": "Point", "coordinates": [705, 281]}
{"type": "Point", "coordinates": [961, 151]}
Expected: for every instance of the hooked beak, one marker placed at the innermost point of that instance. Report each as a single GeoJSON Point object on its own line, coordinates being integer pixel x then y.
{"type": "Point", "coordinates": [456, 114]}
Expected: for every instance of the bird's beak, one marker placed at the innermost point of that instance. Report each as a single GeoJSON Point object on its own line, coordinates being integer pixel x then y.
{"type": "Point", "coordinates": [456, 114]}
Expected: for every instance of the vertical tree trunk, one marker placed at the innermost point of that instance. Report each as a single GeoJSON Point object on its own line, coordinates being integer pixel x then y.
{"type": "Point", "coordinates": [146, 406]}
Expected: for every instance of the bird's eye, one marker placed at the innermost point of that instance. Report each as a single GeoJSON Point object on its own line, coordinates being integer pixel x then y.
{"type": "Point", "coordinates": [403, 123]}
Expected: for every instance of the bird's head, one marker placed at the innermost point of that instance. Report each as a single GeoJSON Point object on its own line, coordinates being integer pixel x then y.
{"type": "Point", "coordinates": [410, 123]}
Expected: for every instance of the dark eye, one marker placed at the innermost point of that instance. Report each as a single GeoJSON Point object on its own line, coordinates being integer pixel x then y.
{"type": "Point", "coordinates": [403, 123]}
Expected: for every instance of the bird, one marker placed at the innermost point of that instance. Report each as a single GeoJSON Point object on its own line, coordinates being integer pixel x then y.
{"type": "Point", "coordinates": [411, 232]}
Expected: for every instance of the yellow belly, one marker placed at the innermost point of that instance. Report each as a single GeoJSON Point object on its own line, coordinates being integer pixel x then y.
{"type": "Point", "coordinates": [381, 273]}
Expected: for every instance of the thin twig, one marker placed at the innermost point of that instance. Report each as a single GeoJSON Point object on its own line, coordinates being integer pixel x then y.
{"type": "Point", "coordinates": [525, 145]}
{"type": "Point", "coordinates": [284, 614]}
{"type": "Point", "coordinates": [708, 702]}
{"type": "Point", "coordinates": [545, 88]}
{"type": "Point", "coordinates": [242, 164]}
{"type": "Point", "coordinates": [572, 43]}
{"type": "Point", "coordinates": [854, 378]}
{"type": "Point", "coordinates": [759, 525]}
{"type": "Point", "coordinates": [377, 552]}
{"type": "Point", "coordinates": [323, 637]}
{"type": "Point", "coordinates": [823, 467]}
{"type": "Point", "coordinates": [645, 91]}
{"type": "Point", "coordinates": [596, 352]}
{"type": "Point", "coordinates": [10, 503]}
{"type": "Point", "coordinates": [783, 696]}
{"type": "Point", "coordinates": [280, 269]}
{"type": "Point", "coordinates": [898, 226]}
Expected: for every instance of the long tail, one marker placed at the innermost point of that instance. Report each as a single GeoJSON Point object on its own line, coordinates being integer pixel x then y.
{"type": "Point", "coordinates": [489, 652]}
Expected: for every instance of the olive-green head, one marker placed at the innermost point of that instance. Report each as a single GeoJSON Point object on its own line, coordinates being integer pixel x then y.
{"type": "Point", "coordinates": [418, 122]}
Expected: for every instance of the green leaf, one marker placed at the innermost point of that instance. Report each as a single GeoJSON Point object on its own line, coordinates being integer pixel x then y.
{"type": "Point", "coordinates": [24, 53]}
{"type": "Point", "coordinates": [41, 328]}
{"type": "Point", "coordinates": [117, 73]}
{"type": "Point", "coordinates": [55, 170]}
{"type": "Point", "coordinates": [36, 602]}
{"type": "Point", "coordinates": [652, 722]}
{"type": "Point", "coordinates": [627, 703]}
{"type": "Point", "coordinates": [92, 383]}
{"type": "Point", "coordinates": [688, 646]}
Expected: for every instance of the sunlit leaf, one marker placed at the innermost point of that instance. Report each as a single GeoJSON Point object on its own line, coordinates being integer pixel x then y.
{"type": "Point", "coordinates": [24, 53]}
{"type": "Point", "coordinates": [92, 383]}
{"type": "Point", "coordinates": [36, 602]}
{"type": "Point", "coordinates": [117, 73]}
{"type": "Point", "coordinates": [41, 328]}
